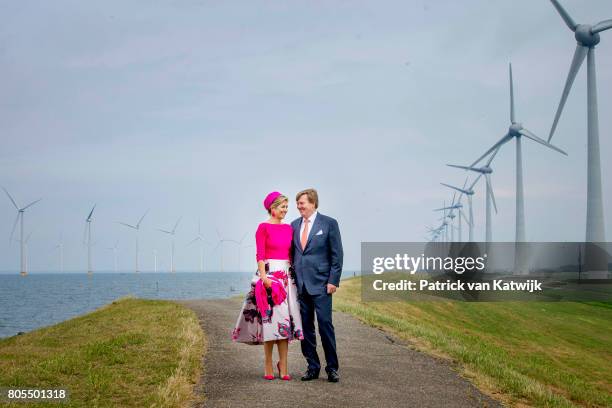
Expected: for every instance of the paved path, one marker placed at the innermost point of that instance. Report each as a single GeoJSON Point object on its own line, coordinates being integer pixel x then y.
{"type": "Point", "coordinates": [376, 370]}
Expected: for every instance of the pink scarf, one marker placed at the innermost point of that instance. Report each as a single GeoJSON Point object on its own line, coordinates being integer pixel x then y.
{"type": "Point", "coordinates": [261, 296]}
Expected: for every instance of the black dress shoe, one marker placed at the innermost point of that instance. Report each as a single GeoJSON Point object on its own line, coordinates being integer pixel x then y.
{"type": "Point", "coordinates": [333, 376]}
{"type": "Point", "coordinates": [310, 375]}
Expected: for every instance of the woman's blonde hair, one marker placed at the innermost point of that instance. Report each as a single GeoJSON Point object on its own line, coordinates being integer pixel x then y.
{"type": "Point", "coordinates": [278, 201]}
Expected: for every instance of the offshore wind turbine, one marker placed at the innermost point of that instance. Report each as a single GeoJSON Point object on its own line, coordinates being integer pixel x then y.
{"type": "Point", "coordinates": [137, 228]}
{"type": "Point", "coordinates": [200, 238]}
{"type": "Point", "coordinates": [87, 241]}
{"type": "Point", "coordinates": [587, 37]}
{"type": "Point", "coordinates": [114, 249]}
{"type": "Point", "coordinates": [220, 244]}
{"type": "Point", "coordinates": [517, 131]}
{"type": "Point", "coordinates": [172, 234]}
{"type": "Point", "coordinates": [486, 171]}
{"type": "Point", "coordinates": [60, 246]}
{"type": "Point", "coordinates": [20, 214]}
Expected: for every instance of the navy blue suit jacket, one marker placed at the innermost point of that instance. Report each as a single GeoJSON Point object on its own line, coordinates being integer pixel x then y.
{"type": "Point", "coordinates": [320, 262]}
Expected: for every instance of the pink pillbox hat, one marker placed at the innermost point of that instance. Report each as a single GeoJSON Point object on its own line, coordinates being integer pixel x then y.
{"type": "Point", "coordinates": [270, 199]}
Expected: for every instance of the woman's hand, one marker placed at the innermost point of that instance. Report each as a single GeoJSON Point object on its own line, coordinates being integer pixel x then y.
{"type": "Point", "coordinates": [267, 282]}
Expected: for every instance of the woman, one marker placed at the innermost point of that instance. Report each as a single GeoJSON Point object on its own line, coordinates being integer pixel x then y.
{"type": "Point", "coordinates": [270, 313]}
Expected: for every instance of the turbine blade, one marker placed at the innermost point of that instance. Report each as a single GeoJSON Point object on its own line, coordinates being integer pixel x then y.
{"type": "Point", "coordinates": [31, 204]}
{"type": "Point", "coordinates": [564, 15]}
{"type": "Point", "coordinates": [475, 181]}
{"type": "Point", "coordinates": [501, 141]}
{"type": "Point", "coordinates": [176, 225]}
{"type": "Point", "coordinates": [511, 95]}
{"type": "Point", "coordinates": [443, 208]}
{"type": "Point", "coordinates": [492, 157]}
{"type": "Point", "coordinates": [599, 27]}
{"type": "Point", "coordinates": [167, 232]}
{"type": "Point", "coordinates": [533, 137]}
{"type": "Point", "coordinates": [577, 61]}
{"type": "Point", "coordinates": [465, 218]}
{"type": "Point", "coordinates": [463, 167]}
{"type": "Point", "coordinates": [193, 240]}
{"type": "Point", "coordinates": [141, 218]}
{"type": "Point", "coordinates": [91, 213]}
{"type": "Point", "coordinates": [455, 188]}
{"type": "Point", "coordinates": [14, 226]}
{"type": "Point", "coordinates": [488, 179]}
{"type": "Point", "coordinates": [243, 237]}
{"type": "Point", "coordinates": [127, 225]}
{"type": "Point", "coordinates": [218, 234]}
{"type": "Point", "coordinates": [11, 198]}
{"type": "Point", "coordinates": [453, 202]}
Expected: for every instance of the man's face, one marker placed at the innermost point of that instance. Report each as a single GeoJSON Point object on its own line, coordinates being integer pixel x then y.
{"type": "Point", "coordinates": [305, 207]}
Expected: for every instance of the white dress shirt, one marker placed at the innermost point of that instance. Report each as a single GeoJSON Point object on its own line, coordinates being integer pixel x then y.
{"type": "Point", "coordinates": [310, 224]}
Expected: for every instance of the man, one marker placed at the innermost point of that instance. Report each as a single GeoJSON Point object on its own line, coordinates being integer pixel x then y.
{"type": "Point", "coordinates": [317, 260]}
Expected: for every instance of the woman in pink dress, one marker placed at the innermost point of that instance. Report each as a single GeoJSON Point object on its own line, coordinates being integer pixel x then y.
{"type": "Point", "coordinates": [270, 313]}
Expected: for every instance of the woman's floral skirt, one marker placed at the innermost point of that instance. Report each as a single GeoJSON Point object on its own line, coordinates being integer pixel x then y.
{"type": "Point", "coordinates": [282, 321]}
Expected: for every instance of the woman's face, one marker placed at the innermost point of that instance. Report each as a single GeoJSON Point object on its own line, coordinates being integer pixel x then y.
{"type": "Point", "coordinates": [280, 211]}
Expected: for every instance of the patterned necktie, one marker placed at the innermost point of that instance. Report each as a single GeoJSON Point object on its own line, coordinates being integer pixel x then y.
{"type": "Point", "coordinates": [304, 237]}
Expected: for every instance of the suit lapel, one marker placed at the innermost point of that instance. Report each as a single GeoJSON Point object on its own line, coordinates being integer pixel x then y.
{"type": "Point", "coordinates": [296, 235]}
{"type": "Point", "coordinates": [315, 226]}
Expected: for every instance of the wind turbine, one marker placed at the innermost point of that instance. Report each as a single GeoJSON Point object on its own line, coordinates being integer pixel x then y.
{"type": "Point", "coordinates": [240, 247]}
{"type": "Point", "coordinates": [60, 246]}
{"type": "Point", "coordinates": [516, 131]}
{"type": "Point", "coordinates": [200, 238]}
{"type": "Point", "coordinates": [485, 170]}
{"type": "Point", "coordinates": [88, 242]}
{"type": "Point", "coordinates": [20, 213]}
{"type": "Point", "coordinates": [220, 244]}
{"type": "Point", "coordinates": [469, 192]}
{"type": "Point", "coordinates": [114, 249]}
{"type": "Point", "coordinates": [137, 228]}
{"type": "Point", "coordinates": [587, 37]}
{"type": "Point", "coordinates": [155, 260]}
{"type": "Point", "coordinates": [172, 234]}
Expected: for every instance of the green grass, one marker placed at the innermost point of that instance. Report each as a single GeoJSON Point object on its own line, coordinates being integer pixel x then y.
{"type": "Point", "coordinates": [130, 353]}
{"type": "Point", "coordinates": [540, 354]}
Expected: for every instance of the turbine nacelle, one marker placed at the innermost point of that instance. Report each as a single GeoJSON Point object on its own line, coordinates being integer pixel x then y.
{"type": "Point", "coordinates": [515, 129]}
{"type": "Point", "coordinates": [585, 36]}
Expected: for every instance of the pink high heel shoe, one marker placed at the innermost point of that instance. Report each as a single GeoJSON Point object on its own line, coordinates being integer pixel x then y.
{"type": "Point", "coordinates": [268, 377]}
{"type": "Point", "coordinates": [284, 377]}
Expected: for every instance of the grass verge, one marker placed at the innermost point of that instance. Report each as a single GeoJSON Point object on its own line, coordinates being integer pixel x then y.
{"type": "Point", "coordinates": [524, 353]}
{"type": "Point", "coordinates": [130, 353]}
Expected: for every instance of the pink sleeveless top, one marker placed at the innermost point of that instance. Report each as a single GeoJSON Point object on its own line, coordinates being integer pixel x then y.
{"type": "Point", "coordinates": [273, 241]}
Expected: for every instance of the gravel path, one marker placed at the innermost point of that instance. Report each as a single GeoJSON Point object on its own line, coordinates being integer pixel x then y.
{"type": "Point", "coordinates": [376, 370]}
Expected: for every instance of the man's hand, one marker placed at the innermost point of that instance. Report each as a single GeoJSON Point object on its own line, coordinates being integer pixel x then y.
{"type": "Point", "coordinates": [331, 288]}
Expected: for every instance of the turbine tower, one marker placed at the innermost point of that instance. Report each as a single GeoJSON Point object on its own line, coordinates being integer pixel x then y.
{"type": "Point", "coordinates": [587, 37]}
{"type": "Point", "coordinates": [88, 241]}
{"type": "Point", "coordinates": [220, 244]}
{"type": "Point", "coordinates": [172, 234]}
{"type": "Point", "coordinates": [114, 249]}
{"type": "Point", "coordinates": [200, 238]}
{"type": "Point", "coordinates": [485, 170]}
{"type": "Point", "coordinates": [20, 213]}
{"type": "Point", "coordinates": [137, 228]}
{"type": "Point", "coordinates": [60, 246]}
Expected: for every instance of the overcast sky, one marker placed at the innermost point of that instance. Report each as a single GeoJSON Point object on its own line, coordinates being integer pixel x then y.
{"type": "Point", "coordinates": [198, 109]}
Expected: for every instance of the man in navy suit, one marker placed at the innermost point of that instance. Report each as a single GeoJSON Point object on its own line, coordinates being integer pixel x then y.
{"type": "Point", "coordinates": [317, 261]}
